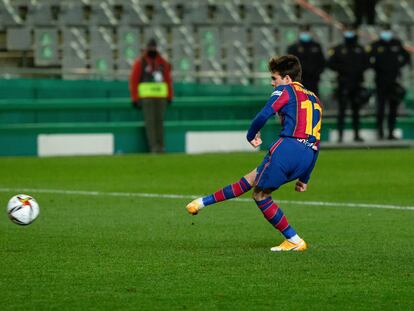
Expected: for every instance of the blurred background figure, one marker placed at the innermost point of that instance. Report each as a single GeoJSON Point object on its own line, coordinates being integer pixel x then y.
{"type": "Point", "coordinates": [364, 9]}
{"type": "Point", "coordinates": [150, 87]}
{"type": "Point", "coordinates": [349, 60]}
{"type": "Point", "coordinates": [387, 57]}
{"type": "Point", "coordinates": [310, 54]}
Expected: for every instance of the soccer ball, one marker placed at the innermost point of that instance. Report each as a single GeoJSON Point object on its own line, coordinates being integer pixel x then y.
{"type": "Point", "coordinates": [22, 209]}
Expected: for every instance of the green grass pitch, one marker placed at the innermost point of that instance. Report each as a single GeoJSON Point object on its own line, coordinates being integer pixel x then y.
{"type": "Point", "coordinates": [125, 252]}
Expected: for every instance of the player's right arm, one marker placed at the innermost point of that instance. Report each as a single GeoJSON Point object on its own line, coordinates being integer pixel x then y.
{"type": "Point", "coordinates": [277, 100]}
{"type": "Point", "coordinates": [257, 141]}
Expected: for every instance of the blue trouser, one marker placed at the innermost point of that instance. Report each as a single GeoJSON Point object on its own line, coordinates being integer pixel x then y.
{"type": "Point", "coordinates": [287, 160]}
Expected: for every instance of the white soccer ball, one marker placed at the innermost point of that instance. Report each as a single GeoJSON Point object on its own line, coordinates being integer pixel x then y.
{"type": "Point", "coordinates": [22, 209]}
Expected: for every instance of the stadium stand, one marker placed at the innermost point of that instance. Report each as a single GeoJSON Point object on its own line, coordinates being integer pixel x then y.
{"type": "Point", "coordinates": [207, 22]}
{"type": "Point", "coordinates": [219, 51]}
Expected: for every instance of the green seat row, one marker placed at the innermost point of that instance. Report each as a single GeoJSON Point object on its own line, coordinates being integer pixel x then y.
{"type": "Point", "coordinates": [53, 89]}
{"type": "Point", "coordinates": [120, 109]}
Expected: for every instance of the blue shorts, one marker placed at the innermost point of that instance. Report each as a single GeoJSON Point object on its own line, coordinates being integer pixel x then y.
{"type": "Point", "coordinates": [287, 160]}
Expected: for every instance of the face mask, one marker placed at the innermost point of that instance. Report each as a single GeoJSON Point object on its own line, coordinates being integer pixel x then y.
{"type": "Point", "coordinates": [305, 37]}
{"type": "Point", "coordinates": [152, 54]}
{"type": "Point", "coordinates": [386, 35]}
{"type": "Point", "coordinates": [349, 34]}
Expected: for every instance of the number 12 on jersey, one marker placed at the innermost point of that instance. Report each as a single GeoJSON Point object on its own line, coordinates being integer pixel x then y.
{"type": "Point", "coordinates": [310, 107]}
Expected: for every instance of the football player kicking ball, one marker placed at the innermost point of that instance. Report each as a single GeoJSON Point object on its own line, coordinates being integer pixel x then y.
{"type": "Point", "coordinates": [291, 157]}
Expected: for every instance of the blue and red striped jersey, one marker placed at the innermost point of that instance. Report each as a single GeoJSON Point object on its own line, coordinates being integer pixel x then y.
{"type": "Point", "coordinates": [299, 110]}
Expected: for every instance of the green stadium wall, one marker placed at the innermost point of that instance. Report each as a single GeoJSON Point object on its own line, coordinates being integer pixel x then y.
{"type": "Point", "coordinates": [31, 111]}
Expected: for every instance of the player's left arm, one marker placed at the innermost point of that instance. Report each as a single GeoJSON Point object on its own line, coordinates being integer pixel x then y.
{"type": "Point", "coordinates": [302, 182]}
{"type": "Point", "coordinates": [300, 186]}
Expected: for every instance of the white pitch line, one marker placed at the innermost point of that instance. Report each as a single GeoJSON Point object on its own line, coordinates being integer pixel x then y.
{"type": "Point", "coordinates": [180, 196]}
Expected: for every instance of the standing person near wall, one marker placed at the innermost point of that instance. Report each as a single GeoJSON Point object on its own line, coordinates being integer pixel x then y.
{"type": "Point", "coordinates": [387, 57]}
{"type": "Point", "coordinates": [310, 54]}
{"type": "Point", "coordinates": [150, 86]}
{"type": "Point", "coordinates": [364, 8]}
{"type": "Point", "coordinates": [349, 60]}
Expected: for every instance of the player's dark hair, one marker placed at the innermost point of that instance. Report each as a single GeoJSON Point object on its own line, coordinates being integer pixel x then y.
{"type": "Point", "coordinates": [287, 65]}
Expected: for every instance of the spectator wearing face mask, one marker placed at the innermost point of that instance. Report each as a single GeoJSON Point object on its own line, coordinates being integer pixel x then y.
{"type": "Point", "coordinates": [150, 87]}
{"type": "Point", "coordinates": [387, 58]}
{"type": "Point", "coordinates": [310, 54]}
{"type": "Point", "coordinates": [349, 60]}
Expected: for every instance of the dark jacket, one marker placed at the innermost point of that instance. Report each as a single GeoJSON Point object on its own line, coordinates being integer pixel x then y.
{"type": "Point", "coordinates": [349, 60]}
{"type": "Point", "coordinates": [143, 71]}
{"type": "Point", "coordinates": [311, 57]}
{"type": "Point", "coordinates": [387, 58]}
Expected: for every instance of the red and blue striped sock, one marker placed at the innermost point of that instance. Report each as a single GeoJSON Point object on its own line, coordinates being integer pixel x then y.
{"type": "Point", "coordinates": [228, 192]}
{"type": "Point", "coordinates": [275, 216]}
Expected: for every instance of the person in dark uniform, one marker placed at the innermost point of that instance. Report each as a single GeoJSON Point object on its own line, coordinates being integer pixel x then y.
{"type": "Point", "coordinates": [311, 57]}
{"type": "Point", "coordinates": [364, 8]}
{"type": "Point", "coordinates": [349, 60]}
{"type": "Point", "coordinates": [387, 57]}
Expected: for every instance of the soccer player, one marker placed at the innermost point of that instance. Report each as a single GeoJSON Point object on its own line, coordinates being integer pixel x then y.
{"type": "Point", "coordinates": [291, 157]}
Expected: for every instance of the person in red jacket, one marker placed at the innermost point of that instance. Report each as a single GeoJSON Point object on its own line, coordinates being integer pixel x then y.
{"type": "Point", "coordinates": [150, 86]}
